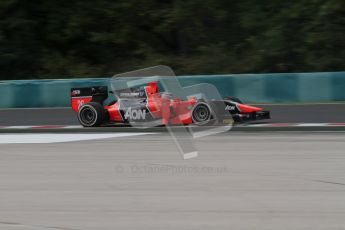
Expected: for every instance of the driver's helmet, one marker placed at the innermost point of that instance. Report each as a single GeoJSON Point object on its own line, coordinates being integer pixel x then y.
{"type": "Point", "coordinates": [152, 88]}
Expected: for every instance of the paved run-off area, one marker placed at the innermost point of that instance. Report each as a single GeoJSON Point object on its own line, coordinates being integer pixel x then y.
{"type": "Point", "coordinates": [278, 180]}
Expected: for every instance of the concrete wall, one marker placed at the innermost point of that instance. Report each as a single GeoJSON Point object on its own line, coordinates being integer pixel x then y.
{"type": "Point", "coordinates": [251, 88]}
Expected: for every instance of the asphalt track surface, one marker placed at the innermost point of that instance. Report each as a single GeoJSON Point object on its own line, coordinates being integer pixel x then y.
{"type": "Point", "coordinates": [244, 181]}
{"type": "Point", "coordinates": [303, 113]}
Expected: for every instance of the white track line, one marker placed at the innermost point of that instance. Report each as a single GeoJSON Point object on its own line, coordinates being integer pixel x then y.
{"type": "Point", "coordinates": [312, 125]}
{"type": "Point", "coordinates": [273, 125]}
{"type": "Point", "coordinates": [18, 127]}
{"type": "Point", "coordinates": [59, 137]}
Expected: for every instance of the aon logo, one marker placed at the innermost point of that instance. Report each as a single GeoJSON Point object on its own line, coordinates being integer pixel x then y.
{"type": "Point", "coordinates": [135, 114]}
{"type": "Point", "coordinates": [230, 107]}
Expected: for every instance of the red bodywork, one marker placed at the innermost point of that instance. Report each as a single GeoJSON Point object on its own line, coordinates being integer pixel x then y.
{"type": "Point", "coordinates": [170, 111]}
{"type": "Point", "coordinates": [159, 106]}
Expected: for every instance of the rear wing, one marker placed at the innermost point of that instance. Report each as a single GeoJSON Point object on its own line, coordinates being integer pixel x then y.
{"type": "Point", "coordinates": [80, 96]}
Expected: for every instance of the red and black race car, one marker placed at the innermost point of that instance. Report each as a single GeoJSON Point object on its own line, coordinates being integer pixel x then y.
{"type": "Point", "coordinates": [146, 104]}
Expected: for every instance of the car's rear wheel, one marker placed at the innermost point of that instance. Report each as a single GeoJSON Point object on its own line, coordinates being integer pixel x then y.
{"type": "Point", "coordinates": [91, 114]}
{"type": "Point", "coordinates": [201, 114]}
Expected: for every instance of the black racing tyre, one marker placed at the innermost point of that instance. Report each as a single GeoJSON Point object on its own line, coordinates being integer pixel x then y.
{"type": "Point", "coordinates": [201, 114]}
{"type": "Point", "coordinates": [91, 114]}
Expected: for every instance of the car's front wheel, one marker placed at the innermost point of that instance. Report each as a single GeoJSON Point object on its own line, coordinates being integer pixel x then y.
{"type": "Point", "coordinates": [91, 114]}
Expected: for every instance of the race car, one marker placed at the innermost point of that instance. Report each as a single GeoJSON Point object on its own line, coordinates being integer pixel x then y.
{"type": "Point", "coordinates": [147, 104]}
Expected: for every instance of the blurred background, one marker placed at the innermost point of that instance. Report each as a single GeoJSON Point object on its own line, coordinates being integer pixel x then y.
{"type": "Point", "coordinates": [81, 38]}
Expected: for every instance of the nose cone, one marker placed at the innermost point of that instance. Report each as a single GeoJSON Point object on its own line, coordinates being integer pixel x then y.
{"type": "Point", "coordinates": [248, 108]}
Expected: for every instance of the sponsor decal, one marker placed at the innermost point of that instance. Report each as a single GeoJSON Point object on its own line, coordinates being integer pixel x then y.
{"type": "Point", "coordinates": [230, 107]}
{"type": "Point", "coordinates": [141, 93]}
{"type": "Point", "coordinates": [80, 103]}
{"type": "Point", "coordinates": [75, 92]}
{"type": "Point", "coordinates": [132, 94]}
{"type": "Point", "coordinates": [135, 114]}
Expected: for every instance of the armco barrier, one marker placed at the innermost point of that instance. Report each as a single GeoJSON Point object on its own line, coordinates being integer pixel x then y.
{"type": "Point", "coordinates": [251, 88]}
